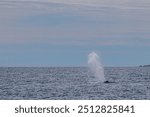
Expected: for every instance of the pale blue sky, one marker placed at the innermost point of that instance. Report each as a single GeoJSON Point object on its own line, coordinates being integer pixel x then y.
{"type": "Point", "coordinates": [64, 32]}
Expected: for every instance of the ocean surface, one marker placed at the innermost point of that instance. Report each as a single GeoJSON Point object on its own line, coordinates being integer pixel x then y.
{"type": "Point", "coordinates": [126, 83]}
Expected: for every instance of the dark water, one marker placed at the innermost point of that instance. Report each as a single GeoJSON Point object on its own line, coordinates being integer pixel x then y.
{"type": "Point", "coordinates": [74, 83]}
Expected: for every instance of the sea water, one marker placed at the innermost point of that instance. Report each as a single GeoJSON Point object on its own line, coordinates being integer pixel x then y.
{"type": "Point", "coordinates": [73, 83]}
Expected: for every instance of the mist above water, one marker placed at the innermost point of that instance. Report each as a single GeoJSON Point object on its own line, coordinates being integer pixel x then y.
{"type": "Point", "coordinates": [96, 67]}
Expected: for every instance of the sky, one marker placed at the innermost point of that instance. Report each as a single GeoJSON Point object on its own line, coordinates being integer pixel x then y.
{"type": "Point", "coordinates": [64, 32]}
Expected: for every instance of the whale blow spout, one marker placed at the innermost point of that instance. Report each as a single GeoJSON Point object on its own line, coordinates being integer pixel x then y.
{"type": "Point", "coordinates": [96, 67]}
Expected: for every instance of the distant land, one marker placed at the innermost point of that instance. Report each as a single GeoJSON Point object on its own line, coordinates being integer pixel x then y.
{"type": "Point", "coordinates": [144, 66]}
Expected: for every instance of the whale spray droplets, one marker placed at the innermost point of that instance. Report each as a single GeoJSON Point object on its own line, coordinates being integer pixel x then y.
{"type": "Point", "coordinates": [96, 67]}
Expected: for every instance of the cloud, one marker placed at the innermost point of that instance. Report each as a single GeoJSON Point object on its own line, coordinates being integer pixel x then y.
{"type": "Point", "coordinates": [94, 3]}
{"type": "Point", "coordinates": [75, 22]}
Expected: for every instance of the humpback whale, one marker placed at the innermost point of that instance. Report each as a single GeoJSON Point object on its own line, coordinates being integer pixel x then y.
{"type": "Point", "coordinates": [108, 81]}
